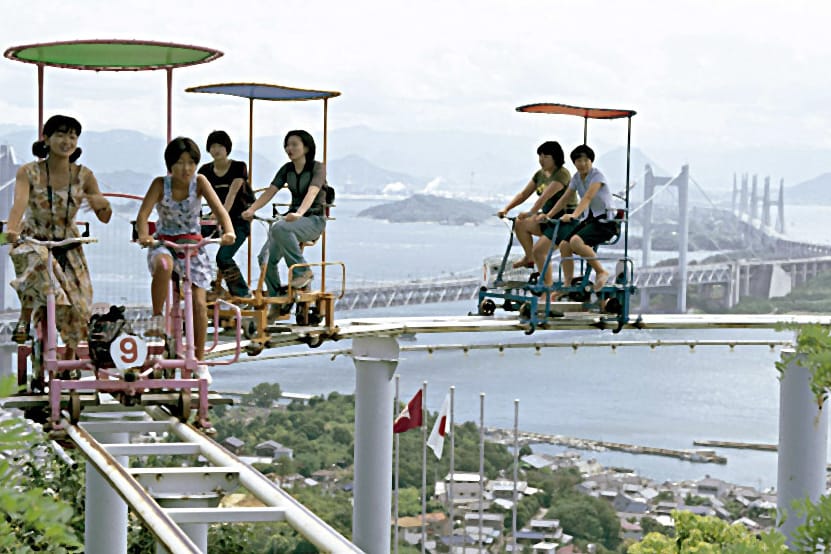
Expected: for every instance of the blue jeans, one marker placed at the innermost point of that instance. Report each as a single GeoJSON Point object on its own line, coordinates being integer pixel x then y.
{"type": "Point", "coordinates": [225, 255]}
{"type": "Point", "coordinates": [284, 238]}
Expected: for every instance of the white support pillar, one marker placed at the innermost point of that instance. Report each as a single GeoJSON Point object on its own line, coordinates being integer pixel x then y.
{"type": "Point", "coordinates": [803, 443]}
{"type": "Point", "coordinates": [105, 516]}
{"type": "Point", "coordinates": [196, 532]}
{"type": "Point", "coordinates": [8, 359]}
{"type": "Point", "coordinates": [375, 361]}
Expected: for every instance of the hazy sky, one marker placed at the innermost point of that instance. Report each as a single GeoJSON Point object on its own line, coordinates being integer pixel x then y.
{"type": "Point", "coordinates": [709, 80]}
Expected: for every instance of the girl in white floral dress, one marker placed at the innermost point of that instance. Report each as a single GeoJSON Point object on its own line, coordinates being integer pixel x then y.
{"type": "Point", "coordinates": [177, 198]}
{"type": "Point", "coordinates": [47, 196]}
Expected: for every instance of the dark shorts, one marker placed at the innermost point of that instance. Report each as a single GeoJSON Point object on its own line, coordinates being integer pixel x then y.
{"type": "Point", "coordinates": [595, 231]}
{"type": "Point", "coordinates": [564, 230]}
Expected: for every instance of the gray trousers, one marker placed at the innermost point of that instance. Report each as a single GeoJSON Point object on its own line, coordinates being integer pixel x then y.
{"type": "Point", "coordinates": [284, 238]}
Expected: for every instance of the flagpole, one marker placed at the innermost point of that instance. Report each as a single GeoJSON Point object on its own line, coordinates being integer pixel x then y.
{"type": "Point", "coordinates": [397, 444]}
{"type": "Point", "coordinates": [424, 468]}
{"type": "Point", "coordinates": [481, 466]}
{"type": "Point", "coordinates": [452, 463]}
{"type": "Point", "coordinates": [516, 472]}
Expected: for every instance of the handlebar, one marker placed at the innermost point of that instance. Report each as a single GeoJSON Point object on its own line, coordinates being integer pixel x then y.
{"type": "Point", "coordinates": [275, 219]}
{"type": "Point", "coordinates": [182, 245]}
{"type": "Point", "coordinates": [50, 244]}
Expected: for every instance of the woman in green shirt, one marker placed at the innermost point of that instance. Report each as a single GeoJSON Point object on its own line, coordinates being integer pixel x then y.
{"type": "Point", "coordinates": [550, 182]}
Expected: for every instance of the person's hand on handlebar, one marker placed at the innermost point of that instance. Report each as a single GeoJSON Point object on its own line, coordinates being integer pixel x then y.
{"type": "Point", "coordinates": [227, 239]}
{"type": "Point", "coordinates": [565, 218]}
{"type": "Point", "coordinates": [502, 213]}
{"type": "Point", "coordinates": [248, 214]}
{"type": "Point", "coordinates": [146, 240]}
{"type": "Point", "coordinates": [12, 237]}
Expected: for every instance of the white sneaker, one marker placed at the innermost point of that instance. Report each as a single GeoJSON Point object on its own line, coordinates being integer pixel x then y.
{"type": "Point", "coordinates": [203, 373]}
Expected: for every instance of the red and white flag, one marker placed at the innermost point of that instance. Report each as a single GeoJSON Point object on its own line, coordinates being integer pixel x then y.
{"type": "Point", "coordinates": [410, 416]}
{"type": "Point", "coordinates": [442, 426]}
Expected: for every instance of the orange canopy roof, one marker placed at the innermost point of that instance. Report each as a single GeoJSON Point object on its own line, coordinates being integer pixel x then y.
{"type": "Point", "coordinates": [563, 109]}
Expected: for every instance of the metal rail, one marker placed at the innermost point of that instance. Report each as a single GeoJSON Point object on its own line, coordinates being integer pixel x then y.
{"type": "Point", "coordinates": [539, 345]}
{"type": "Point", "coordinates": [304, 521]}
{"type": "Point", "coordinates": [145, 490]}
{"type": "Point", "coordinates": [166, 531]}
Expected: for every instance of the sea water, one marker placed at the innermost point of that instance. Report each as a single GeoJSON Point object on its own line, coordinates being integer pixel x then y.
{"type": "Point", "coordinates": [666, 397]}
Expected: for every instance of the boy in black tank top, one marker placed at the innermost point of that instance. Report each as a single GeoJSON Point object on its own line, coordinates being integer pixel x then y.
{"type": "Point", "coordinates": [229, 178]}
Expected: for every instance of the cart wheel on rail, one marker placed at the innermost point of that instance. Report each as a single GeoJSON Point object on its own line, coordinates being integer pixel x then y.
{"type": "Point", "coordinates": [302, 314]}
{"type": "Point", "coordinates": [183, 405]}
{"type": "Point", "coordinates": [254, 348]}
{"type": "Point", "coordinates": [509, 306]}
{"type": "Point", "coordinates": [487, 307]}
{"type": "Point", "coordinates": [525, 310]}
{"type": "Point", "coordinates": [314, 317]}
{"type": "Point", "coordinates": [582, 295]}
{"type": "Point", "coordinates": [313, 341]}
{"type": "Point", "coordinates": [613, 306]}
{"type": "Point", "coordinates": [249, 328]}
{"type": "Point", "coordinates": [74, 407]}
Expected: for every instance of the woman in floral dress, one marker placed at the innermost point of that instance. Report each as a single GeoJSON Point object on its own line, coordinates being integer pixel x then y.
{"type": "Point", "coordinates": [47, 196]}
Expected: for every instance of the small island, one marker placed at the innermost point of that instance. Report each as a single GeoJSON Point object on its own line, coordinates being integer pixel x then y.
{"type": "Point", "coordinates": [428, 208]}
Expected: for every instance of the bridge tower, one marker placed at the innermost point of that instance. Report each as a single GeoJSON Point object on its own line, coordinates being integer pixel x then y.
{"type": "Point", "coordinates": [766, 204]}
{"type": "Point", "coordinates": [682, 181]}
{"type": "Point", "coordinates": [754, 200]}
{"type": "Point", "coordinates": [744, 199]}
{"type": "Point", "coordinates": [8, 169]}
{"type": "Point", "coordinates": [780, 216]}
{"type": "Point", "coordinates": [735, 194]}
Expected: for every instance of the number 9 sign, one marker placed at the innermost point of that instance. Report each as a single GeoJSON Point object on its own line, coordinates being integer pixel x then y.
{"type": "Point", "coordinates": [128, 351]}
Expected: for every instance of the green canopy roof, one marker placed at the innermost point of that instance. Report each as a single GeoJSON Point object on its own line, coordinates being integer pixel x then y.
{"type": "Point", "coordinates": [112, 55]}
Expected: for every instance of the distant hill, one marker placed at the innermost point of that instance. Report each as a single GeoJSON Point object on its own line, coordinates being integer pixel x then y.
{"type": "Point", "coordinates": [356, 175]}
{"type": "Point", "coordinates": [429, 208]}
{"type": "Point", "coordinates": [813, 191]}
{"type": "Point", "coordinates": [127, 181]}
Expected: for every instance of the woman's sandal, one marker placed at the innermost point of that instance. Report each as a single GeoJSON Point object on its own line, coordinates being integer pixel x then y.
{"type": "Point", "coordinates": [21, 332]}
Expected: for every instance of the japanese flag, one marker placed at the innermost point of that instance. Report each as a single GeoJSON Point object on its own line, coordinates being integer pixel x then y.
{"type": "Point", "coordinates": [442, 426]}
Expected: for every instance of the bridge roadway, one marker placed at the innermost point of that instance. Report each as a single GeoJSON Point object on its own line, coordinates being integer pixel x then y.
{"type": "Point", "coordinates": [739, 277]}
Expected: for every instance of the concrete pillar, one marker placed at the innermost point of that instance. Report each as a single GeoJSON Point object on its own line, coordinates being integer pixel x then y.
{"type": "Point", "coordinates": [803, 443]}
{"type": "Point", "coordinates": [735, 197]}
{"type": "Point", "coordinates": [105, 516]}
{"type": "Point", "coordinates": [754, 201]}
{"type": "Point", "coordinates": [766, 205]}
{"type": "Point", "coordinates": [683, 183]}
{"type": "Point", "coordinates": [375, 361]}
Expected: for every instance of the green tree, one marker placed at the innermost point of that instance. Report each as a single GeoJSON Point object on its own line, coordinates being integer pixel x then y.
{"type": "Point", "coordinates": [706, 535]}
{"type": "Point", "coordinates": [651, 525]}
{"type": "Point", "coordinates": [589, 519]}
{"type": "Point", "coordinates": [34, 520]}
{"type": "Point", "coordinates": [265, 395]}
